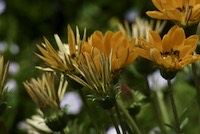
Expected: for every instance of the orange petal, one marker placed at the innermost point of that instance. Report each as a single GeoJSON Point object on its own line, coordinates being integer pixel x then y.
{"type": "Point", "coordinates": [157, 4]}
{"type": "Point", "coordinates": [71, 41]}
{"type": "Point", "coordinates": [155, 55]}
{"type": "Point", "coordinates": [157, 15]}
{"type": "Point", "coordinates": [143, 53]}
{"type": "Point", "coordinates": [155, 40]}
{"type": "Point", "coordinates": [167, 43]}
{"type": "Point", "coordinates": [178, 38]}
{"type": "Point", "coordinates": [195, 12]}
{"type": "Point", "coordinates": [175, 15]}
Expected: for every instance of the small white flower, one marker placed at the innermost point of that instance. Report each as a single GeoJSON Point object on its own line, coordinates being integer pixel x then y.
{"type": "Point", "coordinates": [73, 102]}
{"type": "Point", "coordinates": [14, 49]}
{"type": "Point", "coordinates": [2, 6]}
{"type": "Point", "coordinates": [3, 45]}
{"type": "Point", "coordinates": [11, 84]}
{"type": "Point", "coordinates": [14, 68]}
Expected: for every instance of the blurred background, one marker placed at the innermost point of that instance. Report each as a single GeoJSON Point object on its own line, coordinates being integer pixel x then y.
{"type": "Point", "coordinates": [23, 24]}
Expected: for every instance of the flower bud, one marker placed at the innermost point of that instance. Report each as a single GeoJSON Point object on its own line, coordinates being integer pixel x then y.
{"type": "Point", "coordinates": [57, 121]}
{"type": "Point", "coordinates": [106, 102]}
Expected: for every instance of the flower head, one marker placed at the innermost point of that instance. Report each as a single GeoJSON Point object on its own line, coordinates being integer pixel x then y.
{"type": "Point", "coordinates": [36, 124]}
{"type": "Point", "coordinates": [48, 96]}
{"type": "Point", "coordinates": [45, 93]}
{"type": "Point", "coordinates": [103, 56]}
{"type": "Point", "coordinates": [182, 12]}
{"type": "Point", "coordinates": [121, 47]}
{"type": "Point", "coordinates": [173, 52]}
{"type": "Point", "coordinates": [100, 82]}
{"type": "Point", "coordinates": [62, 61]}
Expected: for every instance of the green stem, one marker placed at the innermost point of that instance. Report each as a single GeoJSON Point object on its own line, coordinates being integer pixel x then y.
{"type": "Point", "coordinates": [129, 118]}
{"type": "Point", "coordinates": [162, 106]}
{"type": "Point", "coordinates": [196, 82]}
{"type": "Point", "coordinates": [112, 116]}
{"type": "Point", "coordinates": [89, 111]}
{"type": "Point", "coordinates": [120, 118]}
{"type": "Point", "coordinates": [156, 107]}
{"type": "Point", "coordinates": [171, 96]}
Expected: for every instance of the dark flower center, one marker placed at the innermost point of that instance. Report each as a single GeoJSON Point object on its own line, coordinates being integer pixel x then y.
{"type": "Point", "coordinates": [172, 53]}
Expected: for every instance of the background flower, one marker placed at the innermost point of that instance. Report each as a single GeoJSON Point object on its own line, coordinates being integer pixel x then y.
{"type": "Point", "coordinates": [182, 12]}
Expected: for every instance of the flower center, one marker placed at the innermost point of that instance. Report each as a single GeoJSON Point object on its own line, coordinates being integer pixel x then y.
{"type": "Point", "coordinates": [173, 53]}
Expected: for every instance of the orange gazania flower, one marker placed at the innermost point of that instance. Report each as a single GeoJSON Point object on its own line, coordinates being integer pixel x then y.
{"type": "Point", "coordinates": [182, 12]}
{"type": "Point", "coordinates": [173, 52]}
{"type": "Point", "coordinates": [121, 47]}
{"type": "Point", "coordinates": [103, 56]}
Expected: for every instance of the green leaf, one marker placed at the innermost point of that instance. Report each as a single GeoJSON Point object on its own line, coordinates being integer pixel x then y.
{"type": "Point", "coordinates": [170, 126]}
{"type": "Point", "coordinates": [184, 122]}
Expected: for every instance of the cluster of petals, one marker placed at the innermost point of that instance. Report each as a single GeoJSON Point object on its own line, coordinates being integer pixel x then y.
{"type": "Point", "coordinates": [173, 52]}
{"type": "Point", "coordinates": [114, 45]}
{"type": "Point", "coordinates": [182, 12]}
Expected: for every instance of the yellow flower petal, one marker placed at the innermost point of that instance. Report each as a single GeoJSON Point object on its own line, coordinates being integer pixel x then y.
{"type": "Point", "coordinates": [195, 13]}
{"type": "Point", "coordinates": [157, 15]}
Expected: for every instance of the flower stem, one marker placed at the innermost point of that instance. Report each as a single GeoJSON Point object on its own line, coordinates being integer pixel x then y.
{"type": "Point", "coordinates": [196, 82]}
{"type": "Point", "coordinates": [88, 110]}
{"type": "Point", "coordinates": [112, 116]}
{"type": "Point", "coordinates": [171, 97]}
{"type": "Point", "coordinates": [120, 118]}
{"type": "Point", "coordinates": [157, 109]}
{"type": "Point", "coordinates": [129, 118]}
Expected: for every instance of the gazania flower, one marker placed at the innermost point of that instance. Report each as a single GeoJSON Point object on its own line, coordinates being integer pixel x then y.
{"type": "Point", "coordinates": [121, 47]}
{"type": "Point", "coordinates": [182, 12]}
{"type": "Point", "coordinates": [44, 92]}
{"type": "Point", "coordinates": [141, 27]}
{"type": "Point", "coordinates": [48, 97]}
{"type": "Point", "coordinates": [63, 60]}
{"type": "Point", "coordinates": [102, 58]}
{"type": "Point", "coordinates": [100, 82]}
{"type": "Point", "coordinates": [173, 52]}
{"type": "Point", "coordinates": [36, 124]}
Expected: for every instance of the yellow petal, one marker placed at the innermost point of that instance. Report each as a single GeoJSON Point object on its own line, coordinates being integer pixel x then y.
{"type": "Point", "coordinates": [71, 41]}
{"type": "Point", "coordinates": [157, 4]}
{"type": "Point", "coordinates": [185, 51]}
{"type": "Point", "coordinates": [107, 42]}
{"type": "Point", "coordinates": [178, 38]}
{"type": "Point", "coordinates": [155, 40]}
{"type": "Point", "coordinates": [174, 15]}
{"type": "Point", "coordinates": [155, 55]}
{"type": "Point", "coordinates": [195, 12]}
{"type": "Point", "coordinates": [167, 43]}
{"type": "Point", "coordinates": [157, 15]}
{"type": "Point", "coordinates": [97, 40]}
{"type": "Point", "coordinates": [143, 53]}
{"type": "Point", "coordinates": [192, 41]}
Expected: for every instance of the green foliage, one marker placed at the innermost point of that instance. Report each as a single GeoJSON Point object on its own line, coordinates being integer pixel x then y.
{"type": "Point", "coordinates": [24, 23]}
